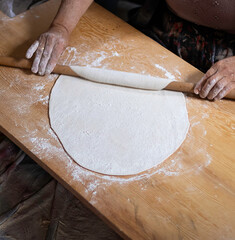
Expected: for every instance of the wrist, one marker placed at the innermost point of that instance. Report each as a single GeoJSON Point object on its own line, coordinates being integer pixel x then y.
{"type": "Point", "coordinates": [59, 28]}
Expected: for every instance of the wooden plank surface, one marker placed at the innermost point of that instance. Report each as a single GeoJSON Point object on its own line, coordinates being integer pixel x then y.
{"type": "Point", "coordinates": [191, 195]}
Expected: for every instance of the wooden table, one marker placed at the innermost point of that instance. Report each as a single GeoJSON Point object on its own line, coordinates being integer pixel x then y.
{"type": "Point", "coordinates": [191, 195]}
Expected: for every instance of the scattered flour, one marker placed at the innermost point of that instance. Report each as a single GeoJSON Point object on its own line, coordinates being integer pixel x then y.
{"type": "Point", "coordinates": [176, 70]}
{"type": "Point", "coordinates": [167, 74]}
{"type": "Point", "coordinates": [43, 99]}
{"type": "Point", "coordinates": [39, 86]}
{"type": "Point", "coordinates": [73, 56]}
{"type": "Point", "coordinates": [44, 145]}
{"type": "Point", "coordinates": [115, 54]}
{"type": "Point", "coordinates": [92, 181]}
{"type": "Point", "coordinates": [100, 58]}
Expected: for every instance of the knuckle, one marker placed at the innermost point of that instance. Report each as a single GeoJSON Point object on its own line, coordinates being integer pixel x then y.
{"type": "Point", "coordinates": [213, 92]}
{"type": "Point", "coordinates": [51, 37]}
{"type": "Point", "coordinates": [61, 41]}
{"type": "Point", "coordinates": [39, 52]}
{"type": "Point", "coordinates": [45, 54]}
{"type": "Point", "coordinates": [219, 85]}
{"type": "Point", "coordinates": [211, 82]}
{"type": "Point", "coordinates": [42, 38]}
{"type": "Point", "coordinates": [46, 34]}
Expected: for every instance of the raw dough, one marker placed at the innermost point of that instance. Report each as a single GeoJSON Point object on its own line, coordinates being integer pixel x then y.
{"type": "Point", "coordinates": [119, 78]}
{"type": "Point", "coordinates": [116, 130]}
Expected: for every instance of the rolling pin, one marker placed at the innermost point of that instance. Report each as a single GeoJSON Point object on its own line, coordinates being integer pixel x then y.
{"type": "Point", "coordinates": [66, 70]}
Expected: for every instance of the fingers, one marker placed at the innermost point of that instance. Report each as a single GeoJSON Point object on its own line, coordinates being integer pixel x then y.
{"type": "Point", "coordinates": [32, 49]}
{"type": "Point", "coordinates": [39, 53]}
{"type": "Point", "coordinates": [49, 45]}
{"type": "Point", "coordinates": [217, 88]}
{"type": "Point", "coordinates": [225, 90]}
{"type": "Point", "coordinates": [213, 70]}
{"type": "Point", "coordinates": [218, 81]}
{"type": "Point", "coordinates": [209, 84]}
{"type": "Point", "coordinates": [48, 51]}
{"type": "Point", "coordinates": [57, 51]}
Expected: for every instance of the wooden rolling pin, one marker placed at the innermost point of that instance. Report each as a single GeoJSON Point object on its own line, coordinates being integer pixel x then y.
{"type": "Point", "coordinates": [66, 70]}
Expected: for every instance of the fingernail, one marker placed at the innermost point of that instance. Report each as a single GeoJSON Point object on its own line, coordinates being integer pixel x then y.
{"type": "Point", "coordinates": [40, 73]}
{"type": "Point", "coordinates": [196, 91]}
{"type": "Point", "coordinates": [33, 70]}
{"type": "Point", "coordinates": [210, 98]}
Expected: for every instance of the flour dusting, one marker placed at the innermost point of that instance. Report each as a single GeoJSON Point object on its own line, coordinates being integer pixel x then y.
{"type": "Point", "coordinates": [39, 86]}
{"type": "Point", "coordinates": [93, 182]}
{"type": "Point", "coordinates": [167, 74]}
{"type": "Point", "coordinates": [77, 56]}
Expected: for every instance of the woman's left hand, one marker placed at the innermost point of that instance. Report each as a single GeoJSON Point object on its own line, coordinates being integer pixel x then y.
{"type": "Point", "coordinates": [218, 81]}
{"type": "Point", "coordinates": [47, 49]}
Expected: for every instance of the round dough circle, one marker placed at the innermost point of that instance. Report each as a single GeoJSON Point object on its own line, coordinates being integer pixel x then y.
{"type": "Point", "coordinates": [115, 130]}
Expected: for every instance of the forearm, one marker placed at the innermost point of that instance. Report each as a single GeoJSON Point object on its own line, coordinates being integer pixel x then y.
{"type": "Point", "coordinates": [50, 45]}
{"type": "Point", "coordinates": [69, 13]}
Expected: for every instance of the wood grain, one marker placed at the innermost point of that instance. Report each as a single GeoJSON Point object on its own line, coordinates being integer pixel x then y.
{"type": "Point", "coordinates": [191, 195]}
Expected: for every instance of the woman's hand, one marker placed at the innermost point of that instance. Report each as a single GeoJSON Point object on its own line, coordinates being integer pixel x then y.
{"type": "Point", "coordinates": [48, 49]}
{"type": "Point", "coordinates": [52, 43]}
{"type": "Point", "coordinates": [218, 81]}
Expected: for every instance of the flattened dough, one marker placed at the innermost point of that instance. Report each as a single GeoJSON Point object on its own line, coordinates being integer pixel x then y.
{"type": "Point", "coordinates": [119, 78]}
{"type": "Point", "coordinates": [116, 130]}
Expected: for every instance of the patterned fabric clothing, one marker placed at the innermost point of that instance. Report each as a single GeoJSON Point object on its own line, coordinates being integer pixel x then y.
{"type": "Point", "coordinates": [198, 45]}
